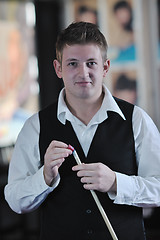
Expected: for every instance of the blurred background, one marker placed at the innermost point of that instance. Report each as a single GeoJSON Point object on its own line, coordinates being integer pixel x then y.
{"type": "Point", "coordinates": [28, 32]}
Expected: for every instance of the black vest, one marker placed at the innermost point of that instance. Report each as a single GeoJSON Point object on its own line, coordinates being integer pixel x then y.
{"type": "Point", "coordinates": [69, 212]}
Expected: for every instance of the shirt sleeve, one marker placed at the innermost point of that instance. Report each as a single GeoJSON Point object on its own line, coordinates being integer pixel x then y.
{"type": "Point", "coordinates": [142, 190]}
{"type": "Point", "coordinates": [26, 188]}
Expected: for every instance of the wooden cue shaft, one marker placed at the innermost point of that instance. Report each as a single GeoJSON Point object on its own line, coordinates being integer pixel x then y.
{"type": "Point", "coordinates": [99, 205]}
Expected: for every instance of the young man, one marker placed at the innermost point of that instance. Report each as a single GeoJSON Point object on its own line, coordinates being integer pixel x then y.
{"type": "Point", "coordinates": [117, 142]}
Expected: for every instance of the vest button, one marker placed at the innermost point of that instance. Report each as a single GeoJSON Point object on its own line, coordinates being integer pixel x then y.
{"type": "Point", "coordinates": [89, 231]}
{"type": "Point", "coordinates": [88, 211]}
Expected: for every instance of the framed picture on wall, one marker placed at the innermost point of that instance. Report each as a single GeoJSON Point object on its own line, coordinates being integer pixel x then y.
{"type": "Point", "coordinates": [125, 86]}
{"type": "Point", "coordinates": [121, 39]}
{"type": "Point", "coordinates": [18, 68]}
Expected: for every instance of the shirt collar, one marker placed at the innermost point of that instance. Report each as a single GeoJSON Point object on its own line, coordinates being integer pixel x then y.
{"type": "Point", "coordinates": [108, 104]}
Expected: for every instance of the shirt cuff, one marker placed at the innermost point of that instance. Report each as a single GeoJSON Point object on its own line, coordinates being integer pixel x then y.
{"type": "Point", "coordinates": [40, 184]}
{"type": "Point", "coordinates": [125, 190]}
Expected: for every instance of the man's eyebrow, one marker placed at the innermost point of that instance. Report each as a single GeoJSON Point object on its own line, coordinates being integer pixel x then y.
{"type": "Point", "coordinates": [71, 59]}
{"type": "Point", "coordinates": [92, 59]}
{"type": "Point", "coordinates": [74, 59]}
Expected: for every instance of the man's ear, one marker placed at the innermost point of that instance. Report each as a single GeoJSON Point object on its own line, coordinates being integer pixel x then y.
{"type": "Point", "coordinates": [106, 67]}
{"type": "Point", "coordinates": [57, 67]}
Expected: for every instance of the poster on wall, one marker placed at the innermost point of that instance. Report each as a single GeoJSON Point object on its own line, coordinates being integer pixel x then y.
{"type": "Point", "coordinates": [18, 69]}
{"type": "Point", "coordinates": [85, 11]}
{"type": "Point", "coordinates": [125, 85]}
{"type": "Point", "coordinates": [120, 19]}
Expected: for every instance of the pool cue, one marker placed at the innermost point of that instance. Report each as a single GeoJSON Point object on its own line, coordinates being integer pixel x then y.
{"type": "Point", "coordinates": [94, 195]}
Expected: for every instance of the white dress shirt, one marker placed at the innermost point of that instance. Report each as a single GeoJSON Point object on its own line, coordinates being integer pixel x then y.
{"type": "Point", "coordinates": [26, 188]}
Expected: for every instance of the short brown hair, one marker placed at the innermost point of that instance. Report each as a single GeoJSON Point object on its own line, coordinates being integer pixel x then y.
{"type": "Point", "coordinates": [81, 33]}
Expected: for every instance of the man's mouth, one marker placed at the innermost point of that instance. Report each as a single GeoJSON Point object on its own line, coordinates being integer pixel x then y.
{"type": "Point", "coordinates": [83, 83]}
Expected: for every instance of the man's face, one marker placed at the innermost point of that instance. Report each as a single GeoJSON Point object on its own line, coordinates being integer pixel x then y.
{"type": "Point", "coordinates": [82, 71]}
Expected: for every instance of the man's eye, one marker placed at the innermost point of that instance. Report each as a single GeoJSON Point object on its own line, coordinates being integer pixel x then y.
{"type": "Point", "coordinates": [73, 64]}
{"type": "Point", "coordinates": [89, 64]}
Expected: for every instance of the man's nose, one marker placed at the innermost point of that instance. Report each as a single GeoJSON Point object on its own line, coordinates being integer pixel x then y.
{"type": "Point", "coordinates": [83, 71]}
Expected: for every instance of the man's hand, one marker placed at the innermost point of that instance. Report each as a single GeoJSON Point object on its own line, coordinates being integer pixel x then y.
{"type": "Point", "coordinates": [96, 176]}
{"type": "Point", "coordinates": [54, 157]}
